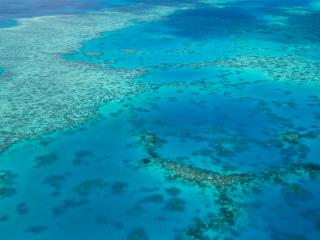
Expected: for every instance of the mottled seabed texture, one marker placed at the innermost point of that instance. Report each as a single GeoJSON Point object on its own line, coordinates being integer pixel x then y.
{"type": "Point", "coordinates": [138, 120]}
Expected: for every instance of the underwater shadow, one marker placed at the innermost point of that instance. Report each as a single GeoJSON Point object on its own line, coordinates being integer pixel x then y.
{"type": "Point", "coordinates": [208, 21]}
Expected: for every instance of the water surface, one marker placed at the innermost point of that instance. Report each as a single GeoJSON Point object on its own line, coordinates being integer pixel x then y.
{"type": "Point", "coordinates": [159, 120]}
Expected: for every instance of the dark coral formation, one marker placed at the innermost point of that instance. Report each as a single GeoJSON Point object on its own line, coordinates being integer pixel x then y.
{"type": "Point", "coordinates": [36, 229]}
{"type": "Point", "coordinates": [88, 186]}
{"type": "Point", "coordinates": [292, 143]}
{"type": "Point", "coordinates": [6, 182]}
{"type": "Point", "coordinates": [45, 160]}
{"type": "Point", "coordinates": [175, 205]}
{"type": "Point", "coordinates": [81, 157]}
{"type": "Point", "coordinates": [119, 188]}
{"type": "Point", "coordinates": [68, 204]}
{"type": "Point", "coordinates": [225, 184]}
{"type": "Point", "coordinates": [290, 137]}
{"type": "Point", "coordinates": [55, 181]}
{"type": "Point", "coordinates": [173, 191]}
{"type": "Point", "coordinates": [138, 234]}
{"type": "Point", "coordinates": [4, 218]}
{"type": "Point", "coordinates": [6, 177]}
{"type": "Point", "coordinates": [155, 198]}
{"type": "Point", "coordinates": [22, 208]}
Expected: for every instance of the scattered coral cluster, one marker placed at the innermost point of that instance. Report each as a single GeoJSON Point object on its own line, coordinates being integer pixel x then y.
{"type": "Point", "coordinates": [225, 184]}
{"type": "Point", "coordinates": [6, 184]}
{"type": "Point", "coordinates": [278, 68]}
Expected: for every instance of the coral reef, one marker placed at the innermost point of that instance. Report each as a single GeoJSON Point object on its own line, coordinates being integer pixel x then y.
{"type": "Point", "coordinates": [81, 157]}
{"type": "Point", "coordinates": [155, 198]}
{"type": "Point", "coordinates": [36, 229]}
{"type": "Point", "coordinates": [22, 208]}
{"type": "Point", "coordinates": [175, 205]}
{"type": "Point", "coordinates": [45, 160]}
{"type": "Point", "coordinates": [55, 181]}
{"type": "Point", "coordinates": [173, 191]}
{"type": "Point", "coordinates": [119, 188]}
{"type": "Point", "coordinates": [54, 93]}
{"type": "Point", "coordinates": [88, 186]}
{"type": "Point", "coordinates": [138, 234]}
{"type": "Point", "coordinates": [227, 185]}
{"type": "Point", "coordinates": [6, 184]}
{"type": "Point", "coordinates": [68, 204]}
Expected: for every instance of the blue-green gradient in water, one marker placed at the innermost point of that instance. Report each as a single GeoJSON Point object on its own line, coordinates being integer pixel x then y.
{"type": "Point", "coordinates": [221, 139]}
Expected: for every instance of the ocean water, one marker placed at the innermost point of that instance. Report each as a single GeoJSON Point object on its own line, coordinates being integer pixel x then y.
{"type": "Point", "coordinates": [160, 120]}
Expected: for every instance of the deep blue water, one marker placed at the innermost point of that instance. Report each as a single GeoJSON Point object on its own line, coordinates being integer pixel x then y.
{"type": "Point", "coordinates": [223, 143]}
{"type": "Point", "coordinates": [11, 9]}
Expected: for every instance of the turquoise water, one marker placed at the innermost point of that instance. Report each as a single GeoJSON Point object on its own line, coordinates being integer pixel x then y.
{"type": "Point", "coordinates": [184, 120]}
{"type": "Point", "coordinates": [7, 23]}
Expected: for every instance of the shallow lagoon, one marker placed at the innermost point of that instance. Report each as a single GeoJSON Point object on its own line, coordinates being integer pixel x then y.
{"type": "Point", "coordinates": [211, 130]}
